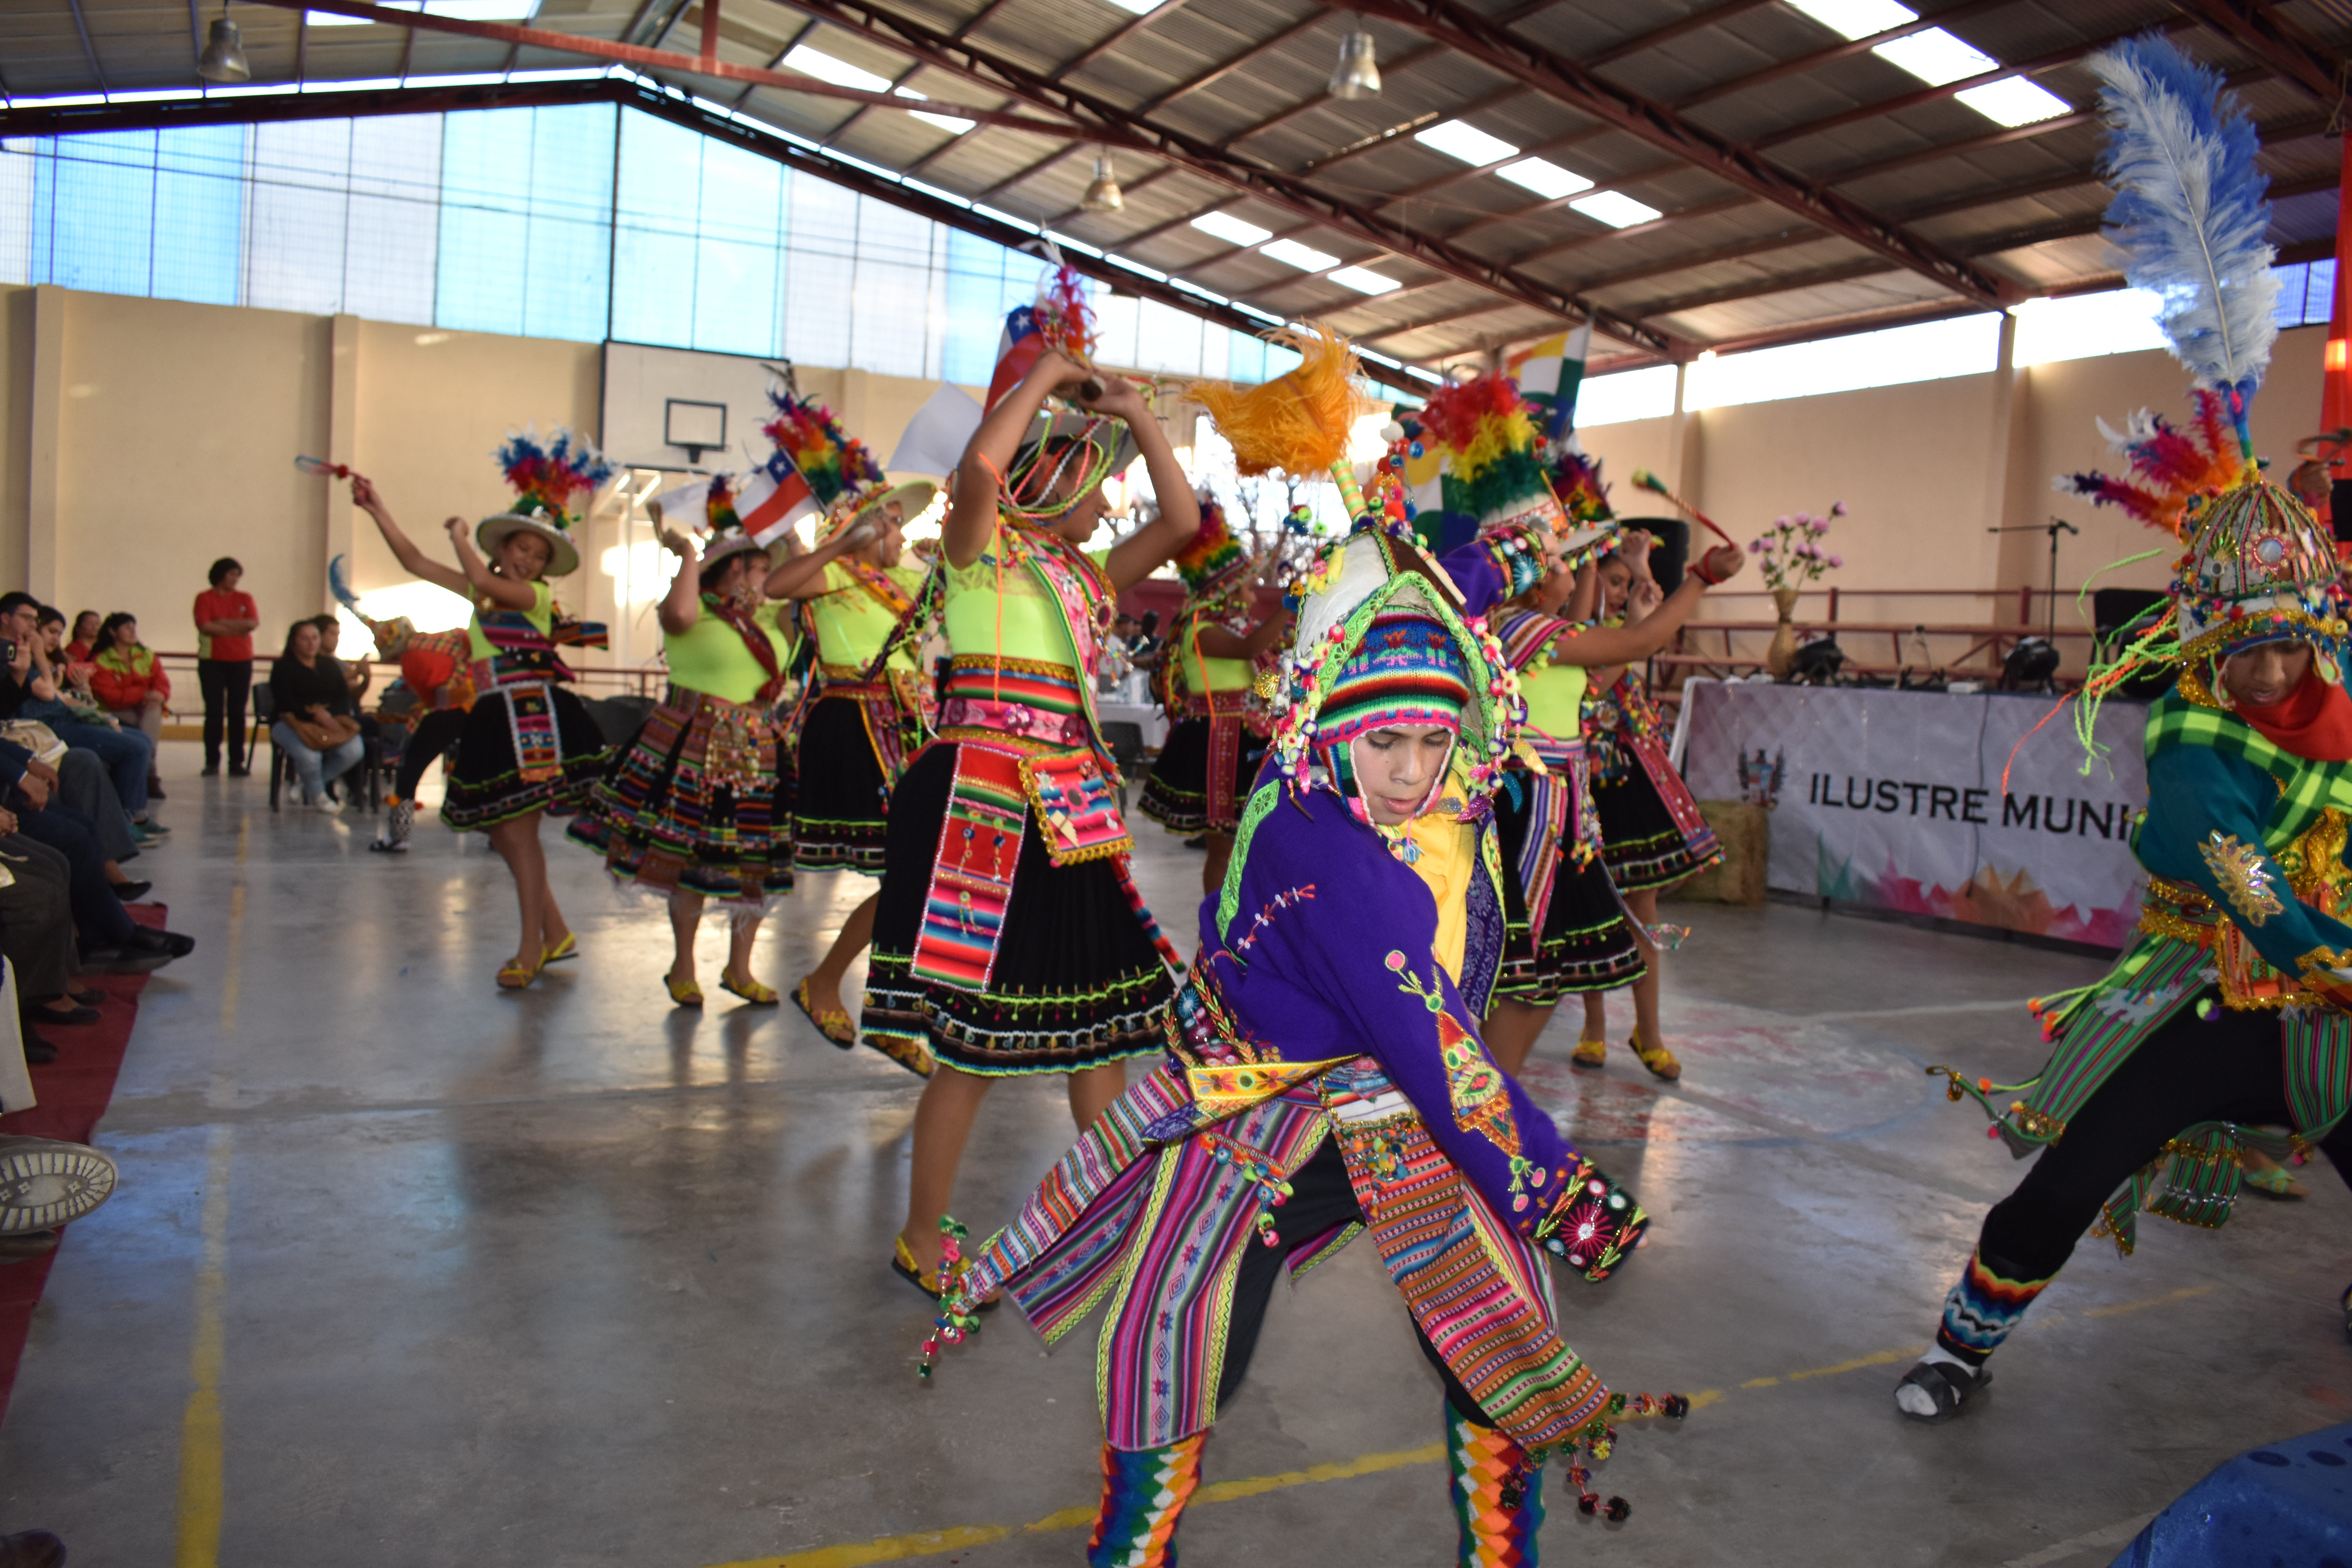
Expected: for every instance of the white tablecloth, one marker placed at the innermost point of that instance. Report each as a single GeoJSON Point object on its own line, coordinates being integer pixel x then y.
{"type": "Point", "coordinates": [1154, 723]}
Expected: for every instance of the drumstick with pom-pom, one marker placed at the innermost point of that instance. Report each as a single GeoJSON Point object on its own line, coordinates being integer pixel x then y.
{"type": "Point", "coordinates": [1646, 480]}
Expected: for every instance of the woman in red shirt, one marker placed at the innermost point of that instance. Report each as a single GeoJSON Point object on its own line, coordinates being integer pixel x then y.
{"type": "Point", "coordinates": [225, 623]}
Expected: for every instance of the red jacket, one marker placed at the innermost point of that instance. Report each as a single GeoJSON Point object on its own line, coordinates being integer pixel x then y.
{"type": "Point", "coordinates": [119, 682]}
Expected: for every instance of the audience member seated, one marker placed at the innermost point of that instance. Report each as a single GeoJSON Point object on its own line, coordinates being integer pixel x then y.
{"type": "Point", "coordinates": [83, 645]}
{"type": "Point", "coordinates": [37, 936]}
{"type": "Point", "coordinates": [110, 942]}
{"type": "Point", "coordinates": [28, 690]}
{"type": "Point", "coordinates": [359, 675]}
{"type": "Point", "coordinates": [129, 683]}
{"type": "Point", "coordinates": [316, 729]}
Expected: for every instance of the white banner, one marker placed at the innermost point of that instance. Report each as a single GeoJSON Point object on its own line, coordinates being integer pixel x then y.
{"type": "Point", "coordinates": [1895, 800]}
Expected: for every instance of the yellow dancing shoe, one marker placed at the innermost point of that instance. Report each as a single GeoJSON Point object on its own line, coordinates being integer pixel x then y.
{"type": "Point", "coordinates": [515, 975]}
{"type": "Point", "coordinates": [903, 1264]}
{"type": "Point", "coordinates": [1657, 1058]}
{"type": "Point", "coordinates": [568, 948]}
{"type": "Point", "coordinates": [752, 991]}
{"type": "Point", "coordinates": [1591, 1051]}
{"type": "Point", "coordinates": [683, 993]}
{"type": "Point", "coordinates": [833, 1023]}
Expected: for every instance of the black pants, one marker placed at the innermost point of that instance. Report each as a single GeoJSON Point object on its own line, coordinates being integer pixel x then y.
{"type": "Point", "coordinates": [436, 733]}
{"type": "Point", "coordinates": [2188, 1071]}
{"type": "Point", "coordinates": [225, 683]}
{"type": "Point", "coordinates": [98, 914]}
{"type": "Point", "coordinates": [1322, 1199]}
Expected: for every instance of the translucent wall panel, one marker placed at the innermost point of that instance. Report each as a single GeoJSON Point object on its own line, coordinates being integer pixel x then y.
{"type": "Point", "coordinates": [392, 238]}
{"type": "Point", "coordinates": [973, 309]}
{"type": "Point", "coordinates": [94, 213]}
{"type": "Point", "coordinates": [742, 218]}
{"type": "Point", "coordinates": [199, 213]}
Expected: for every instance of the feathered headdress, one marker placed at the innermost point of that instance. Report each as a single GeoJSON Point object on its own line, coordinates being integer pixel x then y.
{"type": "Point", "coordinates": [830, 459]}
{"type": "Point", "coordinates": [1496, 473]}
{"type": "Point", "coordinates": [2190, 212]}
{"type": "Point", "coordinates": [1299, 422]}
{"type": "Point", "coordinates": [548, 477]}
{"type": "Point", "coordinates": [1212, 559]}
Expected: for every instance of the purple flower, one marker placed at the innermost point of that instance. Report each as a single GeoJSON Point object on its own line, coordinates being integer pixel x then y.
{"type": "Point", "coordinates": [1837, 509]}
{"type": "Point", "coordinates": [1754, 547]}
{"type": "Point", "coordinates": [1837, 560]}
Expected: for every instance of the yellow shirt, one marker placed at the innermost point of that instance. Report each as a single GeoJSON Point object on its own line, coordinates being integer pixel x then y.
{"type": "Point", "coordinates": [1204, 675]}
{"type": "Point", "coordinates": [851, 623]}
{"type": "Point", "coordinates": [1449, 859]}
{"type": "Point", "coordinates": [1030, 625]}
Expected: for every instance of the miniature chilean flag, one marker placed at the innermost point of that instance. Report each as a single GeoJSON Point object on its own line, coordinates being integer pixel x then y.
{"type": "Point", "coordinates": [1016, 352]}
{"type": "Point", "coordinates": [772, 499]}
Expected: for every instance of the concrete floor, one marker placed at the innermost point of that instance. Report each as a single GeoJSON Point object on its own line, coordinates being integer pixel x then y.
{"type": "Point", "coordinates": [570, 1278]}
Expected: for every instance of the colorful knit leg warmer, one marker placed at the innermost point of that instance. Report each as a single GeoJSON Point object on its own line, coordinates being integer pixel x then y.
{"type": "Point", "coordinates": [1497, 1495]}
{"type": "Point", "coordinates": [1144, 1493]}
{"type": "Point", "coordinates": [1986, 1304]}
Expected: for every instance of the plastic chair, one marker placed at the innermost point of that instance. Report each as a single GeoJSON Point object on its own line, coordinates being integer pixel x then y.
{"type": "Point", "coordinates": [265, 723]}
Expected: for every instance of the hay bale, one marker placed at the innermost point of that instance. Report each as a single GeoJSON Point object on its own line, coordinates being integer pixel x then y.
{"type": "Point", "coordinates": [1745, 832]}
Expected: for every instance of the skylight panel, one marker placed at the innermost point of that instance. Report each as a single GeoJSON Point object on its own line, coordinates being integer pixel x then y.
{"type": "Point", "coordinates": [1856, 18]}
{"type": "Point", "coordinates": [1467, 142]}
{"type": "Point", "coordinates": [1616, 209]}
{"type": "Point", "coordinates": [1363, 281]}
{"type": "Point", "coordinates": [1545, 178]}
{"type": "Point", "coordinates": [1290, 253]}
{"type": "Point", "coordinates": [1936, 57]}
{"type": "Point", "coordinates": [1141, 7]}
{"type": "Point", "coordinates": [954, 123]}
{"type": "Point", "coordinates": [1228, 227]}
{"type": "Point", "coordinates": [463, 10]}
{"type": "Point", "coordinates": [841, 73]}
{"type": "Point", "coordinates": [2013, 101]}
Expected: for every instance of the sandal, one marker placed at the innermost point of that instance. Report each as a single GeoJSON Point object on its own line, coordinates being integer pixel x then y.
{"type": "Point", "coordinates": [514, 976]}
{"type": "Point", "coordinates": [833, 1023]}
{"type": "Point", "coordinates": [683, 993]}
{"type": "Point", "coordinates": [752, 991]}
{"type": "Point", "coordinates": [568, 948]}
{"type": "Point", "coordinates": [1591, 1051]}
{"type": "Point", "coordinates": [1657, 1058]}
{"type": "Point", "coordinates": [1947, 1385]}
{"type": "Point", "coordinates": [903, 1264]}
{"type": "Point", "coordinates": [2275, 1182]}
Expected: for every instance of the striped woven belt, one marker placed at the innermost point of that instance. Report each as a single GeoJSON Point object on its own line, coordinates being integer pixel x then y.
{"type": "Point", "coordinates": [1022, 698]}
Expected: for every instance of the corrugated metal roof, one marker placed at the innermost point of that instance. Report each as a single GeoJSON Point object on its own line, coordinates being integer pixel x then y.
{"type": "Point", "coordinates": [1245, 79]}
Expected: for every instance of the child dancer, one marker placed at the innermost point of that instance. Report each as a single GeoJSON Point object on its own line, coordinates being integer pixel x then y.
{"type": "Point", "coordinates": [527, 743]}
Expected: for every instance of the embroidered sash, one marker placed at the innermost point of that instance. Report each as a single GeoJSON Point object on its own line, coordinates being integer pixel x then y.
{"type": "Point", "coordinates": [972, 875]}
{"type": "Point", "coordinates": [531, 721]}
{"type": "Point", "coordinates": [521, 653]}
{"type": "Point", "coordinates": [894, 712]}
{"type": "Point", "coordinates": [1228, 724]}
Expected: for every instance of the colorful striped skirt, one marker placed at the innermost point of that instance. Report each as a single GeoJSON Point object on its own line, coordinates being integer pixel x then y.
{"type": "Point", "coordinates": [1651, 834]}
{"type": "Point", "coordinates": [853, 747]}
{"type": "Point", "coordinates": [988, 956]}
{"type": "Point", "coordinates": [526, 747]}
{"type": "Point", "coordinates": [694, 804]}
{"type": "Point", "coordinates": [1204, 771]}
{"type": "Point", "coordinates": [1580, 939]}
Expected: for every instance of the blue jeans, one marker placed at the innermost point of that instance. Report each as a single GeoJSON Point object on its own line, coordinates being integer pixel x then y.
{"type": "Point", "coordinates": [316, 769]}
{"type": "Point", "coordinates": [129, 756]}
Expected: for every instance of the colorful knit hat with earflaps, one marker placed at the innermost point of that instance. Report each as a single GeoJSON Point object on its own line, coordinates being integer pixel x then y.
{"type": "Point", "coordinates": [2189, 212]}
{"type": "Point", "coordinates": [549, 478]}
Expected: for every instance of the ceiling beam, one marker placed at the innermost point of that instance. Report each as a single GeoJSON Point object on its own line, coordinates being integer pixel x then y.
{"type": "Point", "coordinates": [1211, 160]}
{"type": "Point", "coordinates": [1578, 88]}
{"type": "Point", "coordinates": [81, 29]}
{"type": "Point", "coordinates": [692, 64]}
{"type": "Point", "coordinates": [1217, 73]}
{"type": "Point", "coordinates": [1116, 36]}
{"type": "Point", "coordinates": [2269, 35]}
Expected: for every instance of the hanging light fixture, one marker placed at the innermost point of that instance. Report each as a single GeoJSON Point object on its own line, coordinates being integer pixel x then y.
{"type": "Point", "coordinates": [1358, 74]}
{"type": "Point", "coordinates": [224, 56]}
{"type": "Point", "coordinates": [1104, 196]}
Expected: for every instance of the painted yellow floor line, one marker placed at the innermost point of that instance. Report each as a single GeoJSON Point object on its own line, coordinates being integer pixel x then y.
{"type": "Point", "coordinates": [200, 1426]}
{"type": "Point", "coordinates": [894, 1548]}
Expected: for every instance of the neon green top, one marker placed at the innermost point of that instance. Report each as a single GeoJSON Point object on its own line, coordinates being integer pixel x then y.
{"type": "Point", "coordinates": [851, 623]}
{"type": "Point", "coordinates": [710, 656]}
{"type": "Point", "coordinates": [540, 615]}
{"type": "Point", "coordinates": [1555, 694]}
{"type": "Point", "coordinates": [1031, 623]}
{"type": "Point", "coordinates": [1204, 675]}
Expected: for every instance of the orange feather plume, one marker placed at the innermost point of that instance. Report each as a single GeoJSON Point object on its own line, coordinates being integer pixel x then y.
{"type": "Point", "coordinates": [1299, 422]}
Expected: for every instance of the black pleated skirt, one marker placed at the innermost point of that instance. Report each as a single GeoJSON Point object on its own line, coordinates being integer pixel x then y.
{"type": "Point", "coordinates": [1586, 942]}
{"type": "Point", "coordinates": [485, 783]}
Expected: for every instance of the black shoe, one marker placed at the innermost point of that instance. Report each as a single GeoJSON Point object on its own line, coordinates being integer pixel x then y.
{"type": "Point", "coordinates": [239, 770]}
{"type": "Point", "coordinates": [131, 892]}
{"type": "Point", "coordinates": [212, 770]}
{"type": "Point", "coordinates": [1200, 841]}
{"type": "Point", "coordinates": [71, 1018]}
{"type": "Point", "coordinates": [31, 1547]}
{"type": "Point", "coordinates": [169, 943]}
{"type": "Point", "coordinates": [387, 847]}
{"type": "Point", "coordinates": [89, 996]}
{"type": "Point", "coordinates": [38, 1051]}
{"type": "Point", "coordinates": [125, 959]}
